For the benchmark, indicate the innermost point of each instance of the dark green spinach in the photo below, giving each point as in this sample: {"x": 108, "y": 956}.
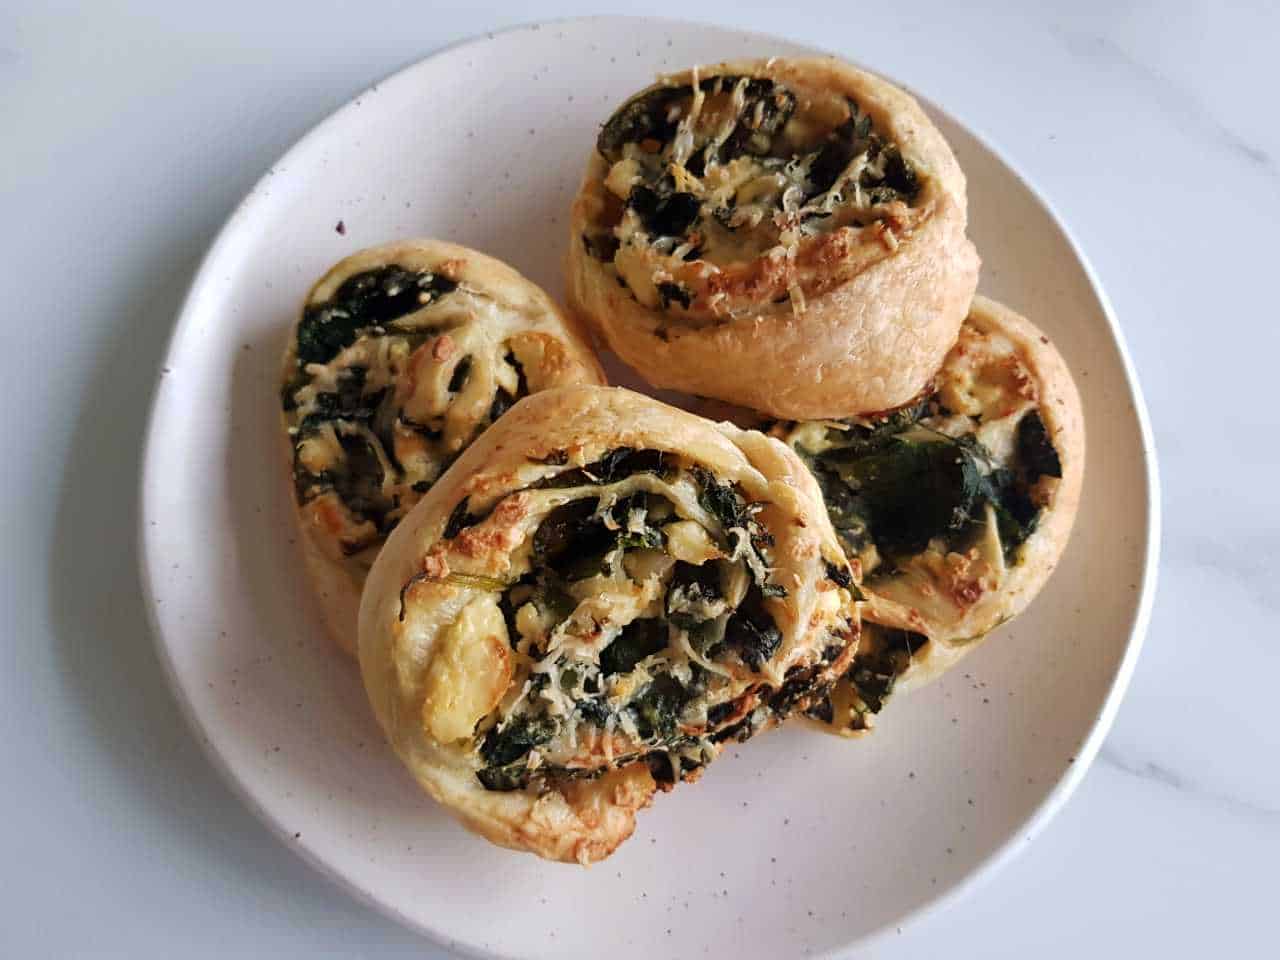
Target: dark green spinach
{"x": 369, "y": 299}
{"x": 1035, "y": 450}
{"x": 639, "y": 639}
{"x": 751, "y": 632}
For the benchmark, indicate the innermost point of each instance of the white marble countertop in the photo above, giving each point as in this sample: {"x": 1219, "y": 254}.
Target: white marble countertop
{"x": 130, "y": 131}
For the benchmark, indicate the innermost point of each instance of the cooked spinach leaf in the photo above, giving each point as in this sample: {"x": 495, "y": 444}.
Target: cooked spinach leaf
{"x": 550, "y": 597}
{"x": 357, "y": 481}
{"x": 646, "y": 116}
{"x": 461, "y": 371}
{"x": 900, "y": 487}
{"x": 594, "y": 712}
{"x": 649, "y": 537}
{"x": 664, "y": 214}
{"x": 601, "y": 246}
{"x": 349, "y": 402}
{"x": 638, "y": 639}
{"x": 545, "y": 592}
{"x": 884, "y": 655}
{"x": 846, "y": 510}
{"x": 751, "y": 631}
{"x": 801, "y": 686}
{"x": 767, "y": 106}
{"x": 663, "y": 767}
{"x": 1035, "y": 451}
{"x": 504, "y": 779}
{"x": 721, "y": 500}
{"x": 521, "y": 735}
{"x": 899, "y": 175}
{"x": 613, "y": 466}
{"x": 502, "y": 402}
{"x": 851, "y": 138}
{"x": 692, "y": 584}
{"x": 569, "y": 537}
{"x": 697, "y": 579}
{"x": 915, "y": 489}
{"x": 842, "y": 144}
{"x": 733, "y": 511}
{"x": 859, "y": 439}
{"x": 839, "y": 575}
{"x": 822, "y": 710}
{"x": 623, "y": 461}
{"x": 657, "y": 708}
{"x": 459, "y": 519}
{"x": 673, "y": 293}
{"x": 369, "y": 299}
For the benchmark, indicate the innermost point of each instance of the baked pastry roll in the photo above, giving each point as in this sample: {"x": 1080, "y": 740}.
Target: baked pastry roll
{"x": 599, "y": 594}
{"x": 787, "y": 235}
{"x": 403, "y": 354}
{"x": 953, "y": 509}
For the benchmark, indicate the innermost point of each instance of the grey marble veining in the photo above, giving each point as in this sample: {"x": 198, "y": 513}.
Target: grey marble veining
{"x": 130, "y": 132}
{"x": 1154, "y": 772}
{"x": 1179, "y": 101}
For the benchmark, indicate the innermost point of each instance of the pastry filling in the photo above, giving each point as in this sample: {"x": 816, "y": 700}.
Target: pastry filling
{"x": 884, "y": 653}
{"x": 731, "y": 192}
{"x": 631, "y": 621}
{"x": 933, "y": 502}
{"x": 396, "y": 374}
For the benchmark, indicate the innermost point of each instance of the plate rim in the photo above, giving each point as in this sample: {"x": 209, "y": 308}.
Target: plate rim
{"x": 986, "y": 867}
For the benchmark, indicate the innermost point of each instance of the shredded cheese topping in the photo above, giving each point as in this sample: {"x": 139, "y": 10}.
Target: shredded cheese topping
{"x": 379, "y": 418}
{"x": 637, "y": 623}
{"x": 723, "y": 196}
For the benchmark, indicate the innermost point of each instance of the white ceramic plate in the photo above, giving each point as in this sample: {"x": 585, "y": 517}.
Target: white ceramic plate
{"x": 794, "y": 843}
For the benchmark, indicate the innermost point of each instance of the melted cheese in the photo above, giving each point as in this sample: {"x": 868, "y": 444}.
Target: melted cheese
{"x": 421, "y": 424}
{"x": 624, "y": 175}
{"x": 984, "y": 377}
{"x": 753, "y": 215}
{"x": 690, "y": 542}
{"x": 321, "y": 452}
{"x": 334, "y": 526}
{"x": 557, "y": 657}
{"x": 468, "y": 673}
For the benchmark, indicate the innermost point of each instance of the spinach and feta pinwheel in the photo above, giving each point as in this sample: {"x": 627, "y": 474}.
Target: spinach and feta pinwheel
{"x": 597, "y": 596}
{"x": 787, "y": 235}
{"x": 954, "y": 509}
{"x": 402, "y": 356}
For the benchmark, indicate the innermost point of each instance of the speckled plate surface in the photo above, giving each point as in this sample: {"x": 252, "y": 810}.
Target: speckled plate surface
{"x": 796, "y": 843}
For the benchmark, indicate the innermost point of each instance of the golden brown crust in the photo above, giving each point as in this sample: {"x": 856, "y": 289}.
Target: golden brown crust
{"x": 553, "y": 349}
{"x": 418, "y": 593}
{"x": 868, "y": 342}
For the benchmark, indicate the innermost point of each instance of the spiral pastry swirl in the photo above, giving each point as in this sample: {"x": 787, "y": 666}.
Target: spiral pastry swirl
{"x": 403, "y": 354}
{"x": 596, "y": 597}
{"x": 786, "y": 235}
